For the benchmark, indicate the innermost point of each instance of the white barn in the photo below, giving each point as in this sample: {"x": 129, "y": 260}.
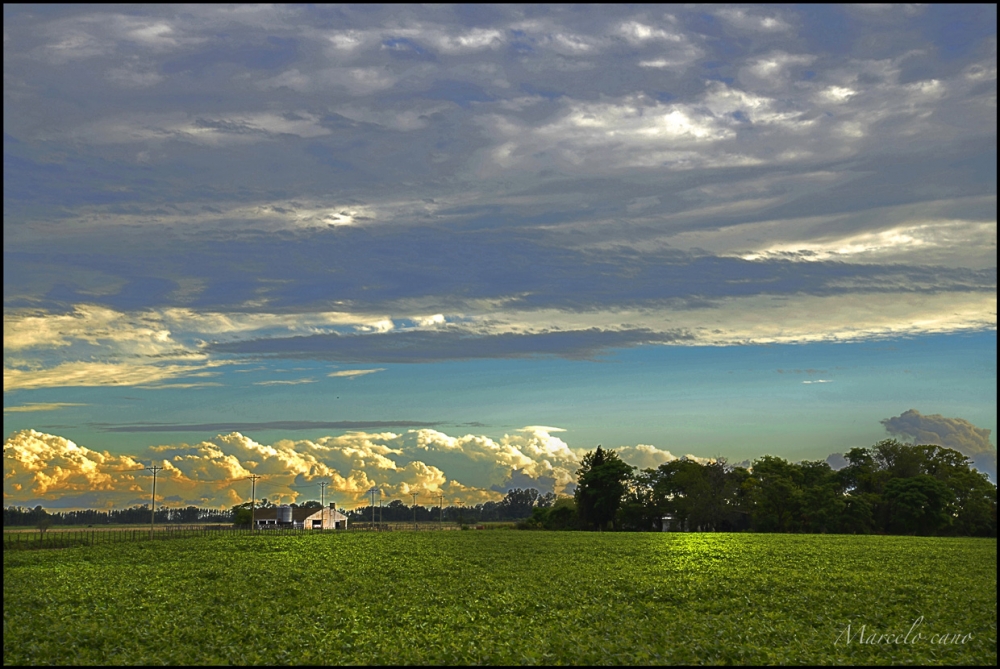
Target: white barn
{"x": 325, "y": 519}
{"x": 288, "y": 517}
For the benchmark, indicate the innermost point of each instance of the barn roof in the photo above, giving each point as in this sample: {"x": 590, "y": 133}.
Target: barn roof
{"x": 271, "y": 513}
{"x": 336, "y": 515}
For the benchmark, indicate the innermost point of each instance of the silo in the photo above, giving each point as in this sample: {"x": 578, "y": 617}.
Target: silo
{"x": 284, "y": 514}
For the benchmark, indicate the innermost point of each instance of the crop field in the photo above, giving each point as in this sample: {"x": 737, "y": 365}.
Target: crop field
{"x": 505, "y": 598}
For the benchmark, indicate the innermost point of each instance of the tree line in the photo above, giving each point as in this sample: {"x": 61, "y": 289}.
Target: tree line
{"x": 890, "y": 488}
{"x": 517, "y": 504}
{"x": 17, "y": 515}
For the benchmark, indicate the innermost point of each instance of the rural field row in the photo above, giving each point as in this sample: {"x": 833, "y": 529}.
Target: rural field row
{"x": 505, "y": 598}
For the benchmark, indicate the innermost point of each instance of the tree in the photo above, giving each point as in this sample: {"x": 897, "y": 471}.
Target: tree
{"x": 518, "y": 503}
{"x": 546, "y": 500}
{"x": 601, "y": 484}
{"x": 639, "y": 511}
{"x": 242, "y": 515}
{"x": 823, "y": 504}
{"x": 775, "y": 494}
{"x": 560, "y": 515}
{"x": 976, "y": 504}
{"x": 917, "y": 505}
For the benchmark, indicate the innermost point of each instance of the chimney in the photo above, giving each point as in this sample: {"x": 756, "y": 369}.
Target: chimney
{"x": 333, "y": 506}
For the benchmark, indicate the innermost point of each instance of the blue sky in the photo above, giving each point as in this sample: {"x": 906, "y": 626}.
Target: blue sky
{"x": 450, "y": 249}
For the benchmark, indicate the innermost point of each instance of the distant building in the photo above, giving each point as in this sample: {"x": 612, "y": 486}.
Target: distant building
{"x": 325, "y": 519}
{"x": 291, "y": 517}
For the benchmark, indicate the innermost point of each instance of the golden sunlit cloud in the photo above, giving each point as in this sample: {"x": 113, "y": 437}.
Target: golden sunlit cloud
{"x": 49, "y": 469}
{"x": 351, "y": 373}
{"x": 290, "y": 382}
{"x": 41, "y": 406}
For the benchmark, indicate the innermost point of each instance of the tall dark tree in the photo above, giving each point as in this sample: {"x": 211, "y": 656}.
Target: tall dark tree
{"x": 602, "y": 482}
{"x": 776, "y": 495}
{"x": 917, "y": 505}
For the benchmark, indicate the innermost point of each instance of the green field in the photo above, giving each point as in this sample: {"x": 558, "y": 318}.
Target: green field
{"x": 504, "y": 598}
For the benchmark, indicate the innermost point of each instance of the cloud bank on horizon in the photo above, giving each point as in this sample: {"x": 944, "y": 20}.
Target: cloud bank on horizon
{"x": 189, "y": 188}
{"x": 54, "y": 471}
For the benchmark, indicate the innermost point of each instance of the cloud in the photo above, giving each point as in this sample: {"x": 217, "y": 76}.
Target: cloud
{"x": 836, "y": 461}
{"x": 289, "y": 382}
{"x": 91, "y": 324}
{"x": 931, "y": 241}
{"x": 352, "y": 373}
{"x": 416, "y": 184}
{"x": 272, "y": 425}
{"x": 45, "y": 464}
{"x": 518, "y": 479}
{"x": 41, "y": 406}
{"x": 608, "y": 135}
{"x": 514, "y": 333}
{"x": 94, "y": 374}
{"x": 819, "y": 381}
{"x": 467, "y": 469}
{"x": 645, "y": 456}
{"x": 423, "y": 346}
{"x": 956, "y": 433}
{"x": 752, "y": 20}
{"x": 95, "y": 346}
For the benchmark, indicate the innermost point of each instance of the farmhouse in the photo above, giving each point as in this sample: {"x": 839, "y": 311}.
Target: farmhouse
{"x": 299, "y": 518}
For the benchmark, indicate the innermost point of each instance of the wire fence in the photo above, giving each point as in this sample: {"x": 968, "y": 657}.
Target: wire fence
{"x": 72, "y": 538}
{"x": 39, "y": 540}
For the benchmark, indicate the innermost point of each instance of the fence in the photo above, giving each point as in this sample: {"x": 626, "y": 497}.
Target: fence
{"x": 74, "y": 538}
{"x": 36, "y": 540}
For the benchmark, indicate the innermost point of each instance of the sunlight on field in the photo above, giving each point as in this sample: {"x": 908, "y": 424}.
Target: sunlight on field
{"x": 504, "y": 598}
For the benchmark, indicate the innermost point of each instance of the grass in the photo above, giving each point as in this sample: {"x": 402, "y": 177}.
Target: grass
{"x": 503, "y": 598}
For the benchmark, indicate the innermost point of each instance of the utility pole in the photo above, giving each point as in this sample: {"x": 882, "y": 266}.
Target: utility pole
{"x": 372, "y": 491}
{"x": 379, "y": 509}
{"x": 414, "y": 510}
{"x": 322, "y": 504}
{"x": 152, "y": 502}
{"x": 441, "y": 508}
{"x": 253, "y": 498}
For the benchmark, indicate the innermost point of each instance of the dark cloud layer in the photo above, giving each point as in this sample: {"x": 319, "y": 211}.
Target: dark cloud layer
{"x": 429, "y": 346}
{"x": 475, "y": 160}
{"x": 424, "y": 346}
{"x": 374, "y": 269}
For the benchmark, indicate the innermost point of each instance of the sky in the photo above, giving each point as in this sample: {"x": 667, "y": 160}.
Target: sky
{"x": 448, "y": 250}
